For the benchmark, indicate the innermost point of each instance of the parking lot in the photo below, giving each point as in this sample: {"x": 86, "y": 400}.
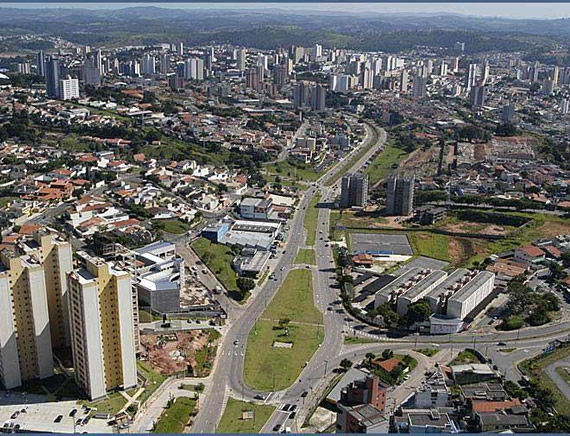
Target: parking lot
{"x": 424, "y": 263}
{"x": 34, "y": 413}
{"x": 381, "y": 244}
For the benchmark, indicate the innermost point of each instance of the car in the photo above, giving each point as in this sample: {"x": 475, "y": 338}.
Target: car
{"x": 282, "y": 268}
{"x": 236, "y": 342}
{"x": 15, "y": 414}
{"x": 286, "y": 407}
{"x": 58, "y": 418}
{"x": 329, "y": 309}
{"x": 293, "y": 407}
{"x": 260, "y": 397}
{"x": 304, "y": 394}
{"x": 292, "y": 415}
{"x": 277, "y": 428}
{"x": 79, "y": 421}
{"x": 502, "y": 344}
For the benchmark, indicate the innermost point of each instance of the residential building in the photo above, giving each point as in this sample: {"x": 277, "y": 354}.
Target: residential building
{"x": 424, "y": 421}
{"x": 529, "y": 254}
{"x": 25, "y": 335}
{"x": 52, "y": 77}
{"x": 354, "y": 190}
{"x": 68, "y": 88}
{"x": 400, "y": 195}
{"x": 102, "y": 331}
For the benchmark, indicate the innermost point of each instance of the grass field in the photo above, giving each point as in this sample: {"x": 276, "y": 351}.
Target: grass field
{"x": 382, "y": 165}
{"x": 219, "y": 260}
{"x": 464, "y": 357}
{"x": 174, "y": 418}
{"x": 429, "y": 352}
{"x": 311, "y": 220}
{"x": 272, "y": 368}
{"x": 430, "y": 245}
{"x": 232, "y": 421}
{"x": 173, "y": 225}
{"x": 154, "y": 380}
{"x": 287, "y": 170}
{"x": 306, "y": 255}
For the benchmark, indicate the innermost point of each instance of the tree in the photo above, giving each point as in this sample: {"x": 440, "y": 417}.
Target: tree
{"x": 391, "y": 318}
{"x": 370, "y": 357}
{"x": 245, "y": 284}
{"x": 284, "y": 322}
{"x": 419, "y": 311}
{"x": 387, "y": 354}
{"x": 346, "y": 364}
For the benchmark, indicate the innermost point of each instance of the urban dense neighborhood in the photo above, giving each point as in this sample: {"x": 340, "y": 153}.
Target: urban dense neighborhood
{"x": 315, "y": 227}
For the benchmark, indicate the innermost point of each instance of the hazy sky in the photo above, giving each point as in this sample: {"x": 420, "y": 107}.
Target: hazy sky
{"x": 512, "y": 10}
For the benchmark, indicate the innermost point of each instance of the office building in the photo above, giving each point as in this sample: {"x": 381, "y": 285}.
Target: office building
{"x": 25, "y": 335}
{"x": 52, "y": 77}
{"x": 102, "y": 334}
{"x": 354, "y": 190}
{"x": 68, "y": 88}
{"x": 471, "y": 294}
{"x": 400, "y": 195}
{"x": 41, "y": 63}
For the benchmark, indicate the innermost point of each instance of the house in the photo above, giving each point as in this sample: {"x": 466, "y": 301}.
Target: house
{"x": 472, "y": 373}
{"x": 502, "y": 421}
{"x": 529, "y": 254}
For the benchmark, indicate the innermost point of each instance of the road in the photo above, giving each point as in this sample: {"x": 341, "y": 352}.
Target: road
{"x": 227, "y": 378}
{"x": 557, "y": 378}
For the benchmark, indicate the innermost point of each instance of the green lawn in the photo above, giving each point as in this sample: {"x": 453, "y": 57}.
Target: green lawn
{"x": 173, "y": 225}
{"x": 352, "y": 340}
{"x": 232, "y": 421}
{"x": 294, "y": 300}
{"x": 174, "y": 418}
{"x": 154, "y": 380}
{"x": 5, "y": 200}
{"x": 383, "y": 164}
{"x": 311, "y": 220}
{"x": 219, "y": 260}
{"x": 306, "y": 255}
{"x": 111, "y": 404}
{"x": 464, "y": 357}
{"x": 271, "y": 368}
{"x": 353, "y": 160}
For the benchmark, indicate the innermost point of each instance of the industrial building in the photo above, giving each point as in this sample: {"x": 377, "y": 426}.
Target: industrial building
{"x": 252, "y": 234}
{"x": 416, "y": 292}
{"x": 401, "y": 285}
{"x": 102, "y": 334}
{"x": 257, "y": 209}
{"x": 465, "y": 300}
{"x": 438, "y": 296}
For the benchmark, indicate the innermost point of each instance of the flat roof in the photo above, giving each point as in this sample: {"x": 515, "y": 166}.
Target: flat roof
{"x": 417, "y": 290}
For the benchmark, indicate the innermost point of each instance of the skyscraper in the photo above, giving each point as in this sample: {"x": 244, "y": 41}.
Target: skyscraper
{"x": 404, "y": 82}
{"x": 301, "y": 93}
{"x": 354, "y": 190}
{"x": 90, "y": 74}
{"x": 318, "y": 98}
{"x": 52, "y": 77}
{"x": 478, "y": 95}
{"x": 419, "y": 89}
{"x": 41, "y": 63}
{"x": 400, "y": 195}
{"x": 102, "y": 333}
{"x": 241, "y": 59}
{"x": 470, "y": 76}
{"x": 148, "y": 65}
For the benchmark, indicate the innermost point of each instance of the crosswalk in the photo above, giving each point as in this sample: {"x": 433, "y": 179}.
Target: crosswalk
{"x": 232, "y": 353}
{"x": 361, "y": 334}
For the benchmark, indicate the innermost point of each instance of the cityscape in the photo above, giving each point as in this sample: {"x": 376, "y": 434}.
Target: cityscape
{"x": 284, "y": 220}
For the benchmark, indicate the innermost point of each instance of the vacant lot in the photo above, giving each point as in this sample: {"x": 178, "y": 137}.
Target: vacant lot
{"x": 384, "y": 164}
{"x": 274, "y": 368}
{"x": 219, "y": 259}
{"x": 232, "y": 421}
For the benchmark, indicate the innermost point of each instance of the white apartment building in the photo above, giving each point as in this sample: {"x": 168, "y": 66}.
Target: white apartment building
{"x": 69, "y": 88}
{"x": 102, "y": 333}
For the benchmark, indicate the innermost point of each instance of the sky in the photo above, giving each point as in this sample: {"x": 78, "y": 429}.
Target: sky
{"x": 510, "y": 10}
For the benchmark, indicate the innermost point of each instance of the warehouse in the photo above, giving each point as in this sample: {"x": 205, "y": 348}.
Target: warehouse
{"x": 465, "y": 300}
{"x": 419, "y": 290}
{"x": 400, "y": 285}
{"x": 438, "y": 296}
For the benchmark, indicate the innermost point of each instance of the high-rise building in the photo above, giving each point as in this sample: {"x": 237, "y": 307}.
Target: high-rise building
{"x": 279, "y": 74}
{"x": 90, "y": 74}
{"x": 55, "y": 256}
{"x": 470, "y": 76}
{"x": 99, "y": 61}
{"x": 165, "y": 64}
{"x": 404, "y": 82}
{"x": 241, "y": 59}
{"x": 419, "y": 89}
{"x": 194, "y": 69}
{"x": 148, "y": 65}
{"x": 400, "y": 195}
{"x": 318, "y": 98}
{"x": 485, "y": 73}
{"x": 68, "y": 88}
{"x": 442, "y": 69}
{"x": 41, "y": 63}
{"x": 251, "y": 78}
{"x": 564, "y": 106}
{"x": 52, "y": 77}
{"x": 354, "y": 190}
{"x": 24, "y": 68}
{"x": 301, "y": 95}
{"x": 180, "y": 48}
{"x": 102, "y": 332}
{"x": 507, "y": 113}
{"x": 477, "y": 95}
{"x": 455, "y": 65}
{"x": 25, "y": 336}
